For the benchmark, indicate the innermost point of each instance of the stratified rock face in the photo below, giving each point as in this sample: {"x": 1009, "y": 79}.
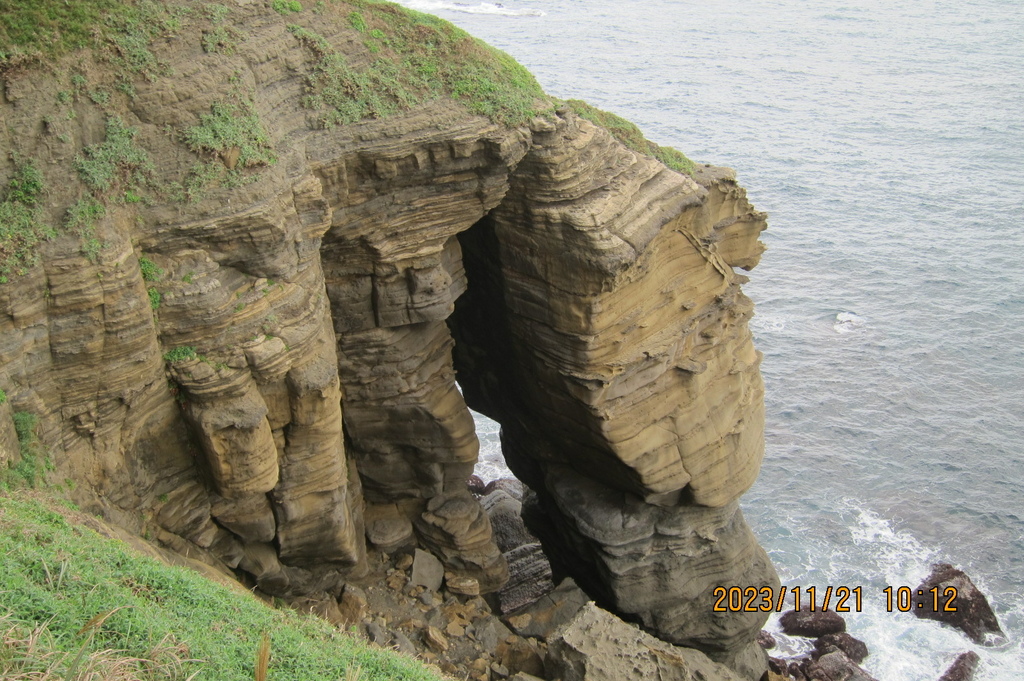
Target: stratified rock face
{"x": 604, "y": 327}
{"x": 299, "y": 332}
{"x": 623, "y": 337}
{"x": 285, "y": 384}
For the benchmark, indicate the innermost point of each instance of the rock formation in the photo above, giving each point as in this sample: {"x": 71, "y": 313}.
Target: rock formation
{"x": 260, "y": 371}
{"x": 960, "y": 604}
{"x": 605, "y": 329}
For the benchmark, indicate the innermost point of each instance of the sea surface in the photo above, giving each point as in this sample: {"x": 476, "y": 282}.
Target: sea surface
{"x": 886, "y": 141}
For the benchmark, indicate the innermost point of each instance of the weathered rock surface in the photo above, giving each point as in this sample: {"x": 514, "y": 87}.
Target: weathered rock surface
{"x": 293, "y": 393}
{"x": 606, "y": 331}
{"x": 835, "y": 666}
{"x": 597, "y": 646}
{"x": 812, "y": 624}
{"x": 972, "y": 614}
{"x": 659, "y": 564}
{"x": 963, "y": 667}
{"x": 853, "y": 648}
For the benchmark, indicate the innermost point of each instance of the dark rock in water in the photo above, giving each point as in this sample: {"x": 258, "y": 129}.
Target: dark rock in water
{"x": 765, "y": 640}
{"x": 812, "y": 624}
{"x": 510, "y": 485}
{"x": 476, "y": 485}
{"x": 962, "y": 668}
{"x": 854, "y": 648}
{"x": 973, "y": 615}
{"x": 778, "y": 665}
{"x": 835, "y": 666}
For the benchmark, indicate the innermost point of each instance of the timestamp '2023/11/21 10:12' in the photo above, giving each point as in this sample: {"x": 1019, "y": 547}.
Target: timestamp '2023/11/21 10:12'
{"x": 835, "y": 598}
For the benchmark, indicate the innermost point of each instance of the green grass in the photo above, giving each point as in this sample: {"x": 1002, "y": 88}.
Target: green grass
{"x": 21, "y": 222}
{"x": 3, "y": 396}
{"x": 31, "y": 29}
{"x": 221, "y": 39}
{"x": 43, "y": 30}
{"x": 232, "y": 124}
{"x": 286, "y": 6}
{"x": 154, "y": 297}
{"x": 115, "y": 163}
{"x": 181, "y": 354}
{"x": 630, "y": 136}
{"x": 68, "y": 576}
{"x": 33, "y": 457}
{"x": 149, "y": 269}
{"x": 81, "y": 219}
{"x": 418, "y": 57}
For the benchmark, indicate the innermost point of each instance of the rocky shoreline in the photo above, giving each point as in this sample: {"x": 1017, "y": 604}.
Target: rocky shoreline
{"x": 533, "y": 630}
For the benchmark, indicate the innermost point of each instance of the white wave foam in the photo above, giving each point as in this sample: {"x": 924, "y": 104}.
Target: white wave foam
{"x": 496, "y": 8}
{"x": 900, "y": 558}
{"x": 903, "y": 647}
{"x": 767, "y": 323}
{"x": 848, "y": 322}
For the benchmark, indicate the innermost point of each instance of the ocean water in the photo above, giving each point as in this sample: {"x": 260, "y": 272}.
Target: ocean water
{"x": 886, "y": 140}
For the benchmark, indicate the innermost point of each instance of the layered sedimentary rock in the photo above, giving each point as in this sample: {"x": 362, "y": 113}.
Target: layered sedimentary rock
{"x": 283, "y": 385}
{"x": 605, "y": 329}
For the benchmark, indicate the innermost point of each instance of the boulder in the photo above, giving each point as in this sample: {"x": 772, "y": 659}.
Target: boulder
{"x": 456, "y": 529}
{"x": 598, "y": 646}
{"x": 963, "y": 667}
{"x": 518, "y": 654}
{"x": 427, "y": 571}
{"x": 765, "y": 640}
{"x": 543, "y": 617}
{"x": 352, "y": 605}
{"x": 529, "y": 577}
{"x": 812, "y": 624}
{"x": 476, "y": 485}
{"x": 855, "y": 649}
{"x": 973, "y": 614}
{"x": 511, "y": 486}
{"x": 835, "y": 666}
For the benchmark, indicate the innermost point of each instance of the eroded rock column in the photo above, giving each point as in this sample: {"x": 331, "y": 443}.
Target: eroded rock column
{"x": 394, "y": 269}
{"x": 605, "y": 329}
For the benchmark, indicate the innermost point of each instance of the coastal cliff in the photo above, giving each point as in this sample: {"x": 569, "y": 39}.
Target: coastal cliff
{"x": 245, "y": 263}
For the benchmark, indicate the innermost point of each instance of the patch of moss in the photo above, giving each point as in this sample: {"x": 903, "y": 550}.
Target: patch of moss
{"x": 630, "y": 136}
{"x": 149, "y": 269}
{"x": 286, "y": 6}
{"x": 221, "y": 38}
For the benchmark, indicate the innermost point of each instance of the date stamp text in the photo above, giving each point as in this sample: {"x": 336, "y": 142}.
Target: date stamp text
{"x": 831, "y": 598}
